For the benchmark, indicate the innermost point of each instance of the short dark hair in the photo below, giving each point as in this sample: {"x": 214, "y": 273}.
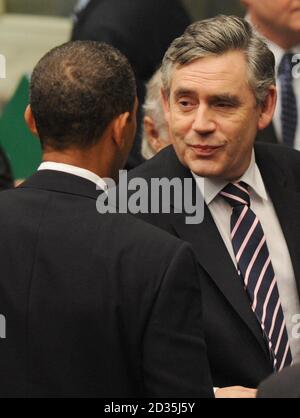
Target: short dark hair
{"x": 76, "y": 90}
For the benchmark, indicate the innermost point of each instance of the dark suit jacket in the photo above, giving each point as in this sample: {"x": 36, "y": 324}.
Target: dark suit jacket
{"x": 96, "y": 305}
{"x": 284, "y": 385}
{"x": 6, "y": 180}
{"x": 142, "y": 30}
{"x": 268, "y": 135}
{"x": 236, "y": 348}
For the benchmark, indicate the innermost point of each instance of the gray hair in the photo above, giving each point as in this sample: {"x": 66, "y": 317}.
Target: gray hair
{"x": 154, "y": 109}
{"x": 217, "y": 36}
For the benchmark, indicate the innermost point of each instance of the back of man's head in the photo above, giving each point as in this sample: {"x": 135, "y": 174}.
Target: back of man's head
{"x": 76, "y": 90}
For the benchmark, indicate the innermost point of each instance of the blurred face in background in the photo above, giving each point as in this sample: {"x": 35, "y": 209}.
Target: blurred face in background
{"x": 157, "y": 136}
{"x": 278, "y": 20}
{"x": 155, "y": 127}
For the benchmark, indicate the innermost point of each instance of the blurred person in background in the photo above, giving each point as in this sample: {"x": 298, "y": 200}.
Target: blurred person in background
{"x": 155, "y": 128}
{"x": 6, "y": 180}
{"x": 278, "y": 21}
{"x": 141, "y": 29}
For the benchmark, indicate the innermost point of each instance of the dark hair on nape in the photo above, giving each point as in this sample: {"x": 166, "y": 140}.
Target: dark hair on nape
{"x": 76, "y": 90}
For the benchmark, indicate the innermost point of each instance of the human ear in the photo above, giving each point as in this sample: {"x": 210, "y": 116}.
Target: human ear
{"x": 119, "y": 127}
{"x": 268, "y": 108}
{"x": 30, "y": 121}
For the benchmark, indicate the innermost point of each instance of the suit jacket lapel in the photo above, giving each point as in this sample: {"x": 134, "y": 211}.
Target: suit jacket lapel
{"x": 213, "y": 256}
{"x": 286, "y": 202}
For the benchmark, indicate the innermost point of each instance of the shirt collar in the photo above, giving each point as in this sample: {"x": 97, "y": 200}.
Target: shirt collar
{"x": 211, "y": 187}
{"x": 76, "y": 171}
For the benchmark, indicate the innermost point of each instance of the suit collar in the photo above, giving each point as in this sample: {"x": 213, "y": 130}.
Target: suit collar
{"x": 267, "y": 135}
{"x": 213, "y": 256}
{"x": 211, "y": 187}
{"x": 286, "y": 199}
{"x": 75, "y": 170}
{"x": 60, "y": 182}
{"x": 208, "y": 243}
{"x": 212, "y": 253}
{"x": 268, "y": 165}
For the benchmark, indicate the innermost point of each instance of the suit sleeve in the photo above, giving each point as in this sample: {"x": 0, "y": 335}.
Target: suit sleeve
{"x": 175, "y": 362}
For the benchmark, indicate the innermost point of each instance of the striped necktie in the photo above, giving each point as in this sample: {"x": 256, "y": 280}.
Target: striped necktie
{"x": 289, "y": 113}
{"x": 255, "y": 267}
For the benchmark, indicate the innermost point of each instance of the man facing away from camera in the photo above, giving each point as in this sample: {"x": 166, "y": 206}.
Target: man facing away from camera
{"x": 91, "y": 308}
{"x": 219, "y": 91}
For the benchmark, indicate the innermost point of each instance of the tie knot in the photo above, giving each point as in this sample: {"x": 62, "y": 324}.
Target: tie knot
{"x": 286, "y": 65}
{"x": 236, "y": 194}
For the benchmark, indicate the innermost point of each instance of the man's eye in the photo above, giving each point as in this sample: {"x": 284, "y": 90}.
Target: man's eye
{"x": 185, "y": 103}
{"x": 224, "y": 104}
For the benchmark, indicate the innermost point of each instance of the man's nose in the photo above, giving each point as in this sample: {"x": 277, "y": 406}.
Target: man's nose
{"x": 204, "y": 120}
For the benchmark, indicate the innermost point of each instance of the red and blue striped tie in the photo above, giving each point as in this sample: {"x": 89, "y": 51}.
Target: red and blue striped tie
{"x": 255, "y": 267}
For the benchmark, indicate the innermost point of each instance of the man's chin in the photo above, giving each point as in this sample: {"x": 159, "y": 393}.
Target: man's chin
{"x": 205, "y": 168}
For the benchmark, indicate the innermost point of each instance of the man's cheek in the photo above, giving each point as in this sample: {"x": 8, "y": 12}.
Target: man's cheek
{"x": 177, "y": 134}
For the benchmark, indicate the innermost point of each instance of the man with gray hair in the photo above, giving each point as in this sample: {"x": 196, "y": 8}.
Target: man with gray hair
{"x": 219, "y": 91}
{"x": 155, "y": 128}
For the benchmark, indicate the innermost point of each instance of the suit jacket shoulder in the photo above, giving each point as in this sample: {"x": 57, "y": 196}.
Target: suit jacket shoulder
{"x": 163, "y": 164}
{"x": 280, "y": 161}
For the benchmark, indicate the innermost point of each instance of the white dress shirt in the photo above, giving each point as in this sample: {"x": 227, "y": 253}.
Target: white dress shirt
{"x": 76, "y": 171}
{"x": 279, "y": 53}
{"x": 262, "y": 206}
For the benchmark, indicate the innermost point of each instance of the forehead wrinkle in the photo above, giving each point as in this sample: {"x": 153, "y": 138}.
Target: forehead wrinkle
{"x": 191, "y": 72}
{"x": 196, "y": 77}
{"x": 212, "y": 75}
{"x": 213, "y": 68}
{"x": 222, "y": 84}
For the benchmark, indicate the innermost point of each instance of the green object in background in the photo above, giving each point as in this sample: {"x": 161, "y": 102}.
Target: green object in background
{"x": 22, "y": 148}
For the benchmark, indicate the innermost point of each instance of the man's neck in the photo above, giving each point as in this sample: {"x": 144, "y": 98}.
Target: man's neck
{"x": 87, "y": 159}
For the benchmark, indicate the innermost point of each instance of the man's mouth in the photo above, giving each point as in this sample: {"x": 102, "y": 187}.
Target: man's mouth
{"x": 205, "y": 150}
